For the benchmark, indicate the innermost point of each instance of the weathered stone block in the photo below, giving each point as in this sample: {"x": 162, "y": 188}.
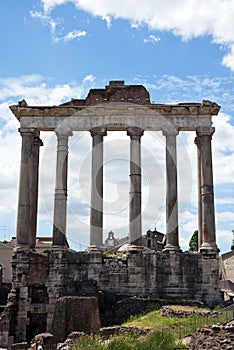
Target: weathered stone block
{"x": 75, "y": 314}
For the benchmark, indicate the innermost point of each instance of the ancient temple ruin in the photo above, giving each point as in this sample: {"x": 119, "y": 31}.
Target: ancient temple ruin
{"x": 40, "y": 280}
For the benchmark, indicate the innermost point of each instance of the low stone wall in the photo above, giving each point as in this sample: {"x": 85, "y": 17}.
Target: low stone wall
{"x": 182, "y": 311}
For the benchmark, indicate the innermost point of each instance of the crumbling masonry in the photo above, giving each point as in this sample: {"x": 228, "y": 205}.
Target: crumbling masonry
{"x": 42, "y": 281}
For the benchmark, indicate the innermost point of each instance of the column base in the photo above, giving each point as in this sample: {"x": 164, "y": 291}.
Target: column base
{"x": 171, "y": 248}
{"x": 209, "y": 249}
{"x": 58, "y": 247}
{"x": 135, "y": 248}
{"x": 94, "y": 249}
{"x": 22, "y": 248}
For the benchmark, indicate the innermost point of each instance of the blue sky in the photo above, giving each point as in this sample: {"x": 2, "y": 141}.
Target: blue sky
{"x": 54, "y": 50}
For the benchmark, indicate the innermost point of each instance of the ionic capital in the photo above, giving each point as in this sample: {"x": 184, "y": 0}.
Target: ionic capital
{"x": 170, "y": 131}
{"x": 60, "y": 132}
{"x": 135, "y": 131}
{"x": 31, "y": 131}
{"x": 205, "y": 131}
{"x": 100, "y": 131}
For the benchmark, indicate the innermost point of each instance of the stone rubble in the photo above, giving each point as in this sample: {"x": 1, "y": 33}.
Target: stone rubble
{"x": 216, "y": 337}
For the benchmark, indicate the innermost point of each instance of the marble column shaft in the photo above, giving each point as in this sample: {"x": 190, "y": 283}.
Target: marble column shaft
{"x": 28, "y": 188}
{"x": 60, "y": 199}
{"x": 36, "y": 143}
{"x": 204, "y": 135}
{"x": 199, "y": 192}
{"x": 135, "y": 224}
{"x": 171, "y": 191}
{"x": 96, "y": 210}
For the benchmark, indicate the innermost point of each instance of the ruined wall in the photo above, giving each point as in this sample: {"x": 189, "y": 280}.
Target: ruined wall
{"x": 183, "y": 275}
{"x": 75, "y": 314}
{"x": 41, "y": 281}
{"x": 29, "y": 274}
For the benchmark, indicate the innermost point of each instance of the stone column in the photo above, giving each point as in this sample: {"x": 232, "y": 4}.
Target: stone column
{"x": 60, "y": 199}
{"x": 204, "y": 135}
{"x": 171, "y": 191}
{"x": 96, "y": 210}
{"x": 28, "y": 172}
{"x": 36, "y": 143}
{"x": 135, "y": 229}
{"x": 196, "y": 141}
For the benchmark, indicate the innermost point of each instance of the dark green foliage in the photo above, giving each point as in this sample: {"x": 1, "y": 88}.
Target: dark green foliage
{"x": 193, "y": 244}
{"x": 232, "y": 246}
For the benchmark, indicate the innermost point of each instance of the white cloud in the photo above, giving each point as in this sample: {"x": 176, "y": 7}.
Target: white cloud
{"x": 75, "y": 34}
{"x": 223, "y": 147}
{"x": 54, "y": 24}
{"x": 152, "y": 39}
{"x": 225, "y": 216}
{"x": 108, "y": 21}
{"x": 48, "y": 5}
{"x": 46, "y": 20}
{"x": 228, "y": 59}
{"x": 226, "y": 200}
{"x": 224, "y": 239}
{"x": 187, "y": 19}
{"x": 35, "y": 89}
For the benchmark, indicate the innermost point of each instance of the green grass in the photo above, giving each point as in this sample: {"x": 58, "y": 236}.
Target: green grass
{"x": 87, "y": 343}
{"x": 156, "y": 340}
{"x": 155, "y": 319}
{"x": 180, "y": 327}
{"x": 166, "y": 331}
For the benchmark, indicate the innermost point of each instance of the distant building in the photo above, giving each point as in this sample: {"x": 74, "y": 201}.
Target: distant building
{"x": 153, "y": 240}
{"x": 6, "y": 250}
{"x": 226, "y": 271}
{"x": 111, "y": 241}
{"x": 227, "y": 266}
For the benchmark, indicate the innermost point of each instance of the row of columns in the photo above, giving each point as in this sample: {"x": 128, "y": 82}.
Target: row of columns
{"x": 28, "y": 189}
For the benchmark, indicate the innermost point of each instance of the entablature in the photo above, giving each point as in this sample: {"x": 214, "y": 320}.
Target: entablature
{"x": 116, "y": 116}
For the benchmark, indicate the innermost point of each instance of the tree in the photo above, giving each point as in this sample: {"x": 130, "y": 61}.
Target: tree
{"x": 232, "y": 246}
{"x": 193, "y": 243}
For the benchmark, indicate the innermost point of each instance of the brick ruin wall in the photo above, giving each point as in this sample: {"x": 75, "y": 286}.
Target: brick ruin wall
{"x": 42, "y": 281}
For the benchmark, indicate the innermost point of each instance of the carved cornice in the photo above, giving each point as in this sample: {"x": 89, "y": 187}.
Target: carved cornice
{"x": 117, "y": 108}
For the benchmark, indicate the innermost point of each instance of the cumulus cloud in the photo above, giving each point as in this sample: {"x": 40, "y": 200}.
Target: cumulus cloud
{"x": 187, "y": 19}
{"x": 36, "y": 89}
